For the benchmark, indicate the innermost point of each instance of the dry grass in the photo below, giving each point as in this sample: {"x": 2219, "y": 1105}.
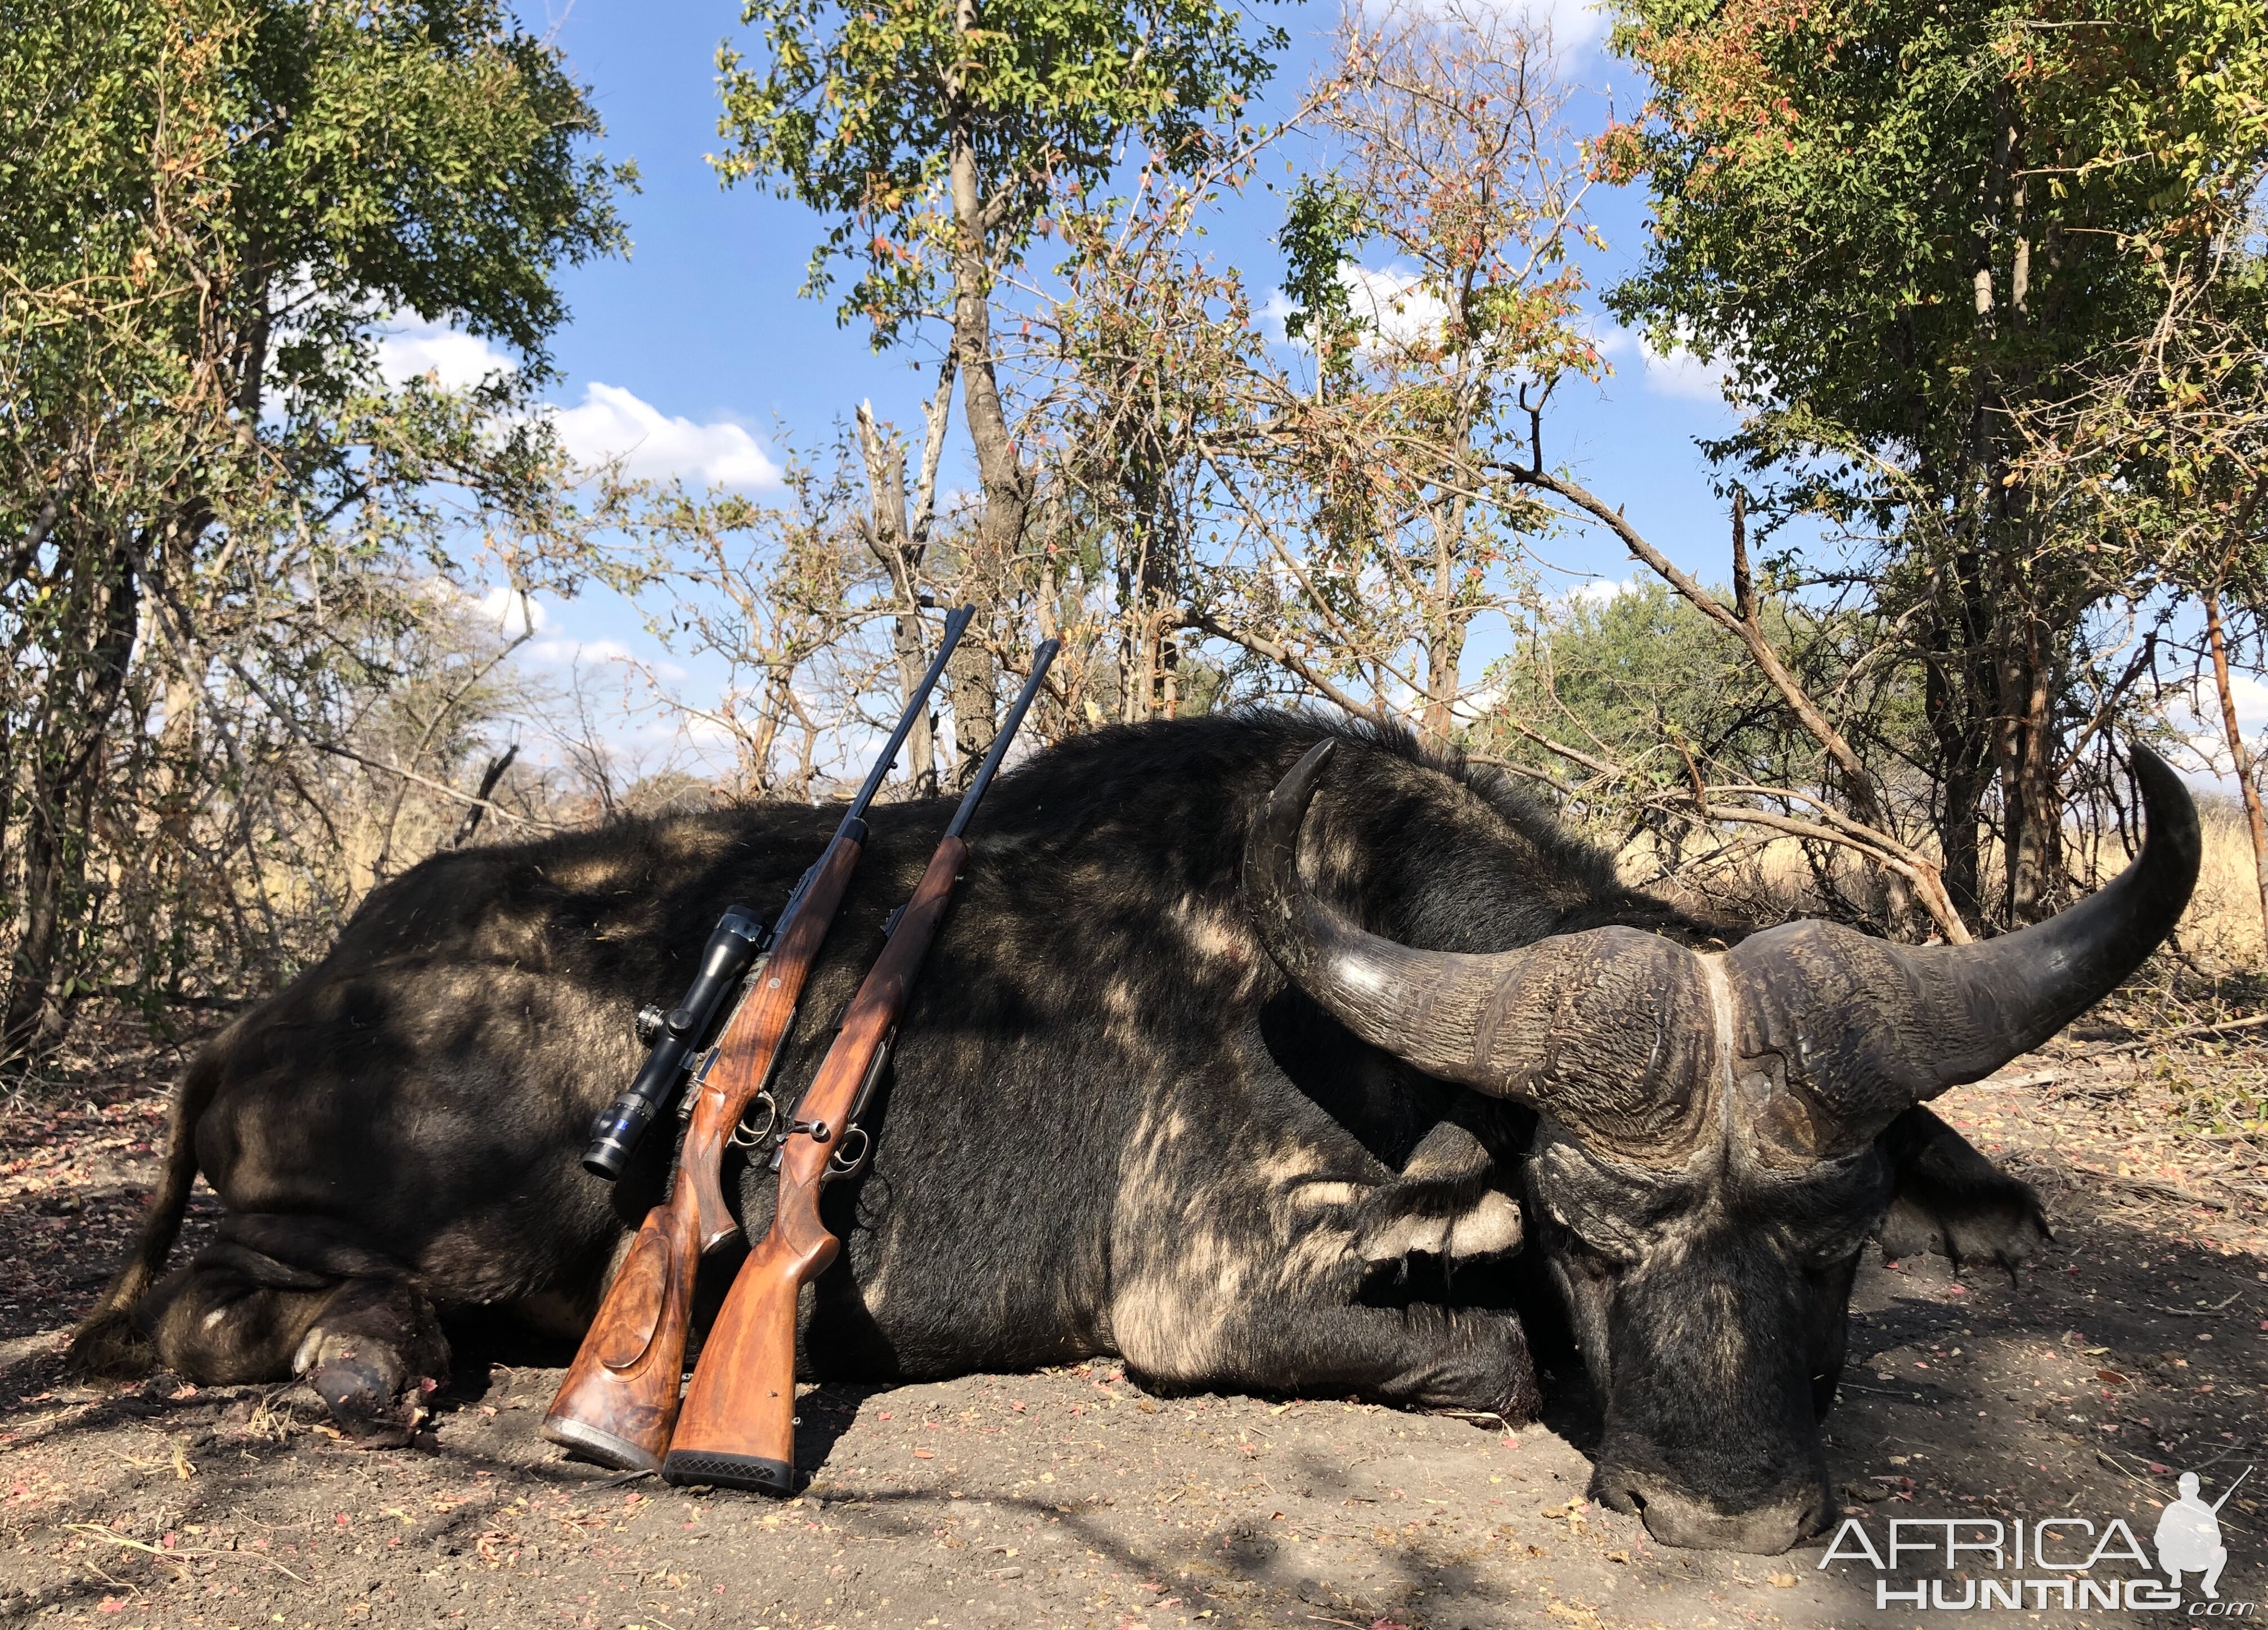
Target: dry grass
{"x": 2222, "y": 927}
{"x": 1748, "y": 881}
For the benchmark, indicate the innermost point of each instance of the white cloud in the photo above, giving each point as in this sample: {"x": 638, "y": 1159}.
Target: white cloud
{"x": 1572, "y": 24}
{"x": 455, "y": 360}
{"x": 609, "y": 422}
{"x": 1679, "y": 373}
{"x": 1477, "y": 705}
{"x": 2251, "y": 698}
{"x": 1598, "y": 591}
{"x": 1675, "y": 371}
{"x": 2196, "y": 717}
{"x": 565, "y": 652}
{"x": 2202, "y": 704}
{"x": 614, "y": 423}
{"x": 1396, "y": 306}
{"x": 704, "y": 730}
{"x": 514, "y": 613}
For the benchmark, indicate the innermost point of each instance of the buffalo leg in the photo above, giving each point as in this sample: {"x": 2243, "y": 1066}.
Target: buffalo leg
{"x": 1423, "y": 1356}
{"x": 371, "y": 1348}
{"x": 1952, "y": 1201}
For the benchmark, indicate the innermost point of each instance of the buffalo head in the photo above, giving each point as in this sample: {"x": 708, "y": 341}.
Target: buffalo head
{"x": 1709, "y": 1159}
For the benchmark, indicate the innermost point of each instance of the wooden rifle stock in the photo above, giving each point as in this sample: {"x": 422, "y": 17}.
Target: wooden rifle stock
{"x": 620, "y": 1399}
{"x": 738, "y": 1425}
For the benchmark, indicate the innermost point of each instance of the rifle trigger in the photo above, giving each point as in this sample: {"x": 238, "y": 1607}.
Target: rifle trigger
{"x": 752, "y": 1133}
{"x": 843, "y": 1162}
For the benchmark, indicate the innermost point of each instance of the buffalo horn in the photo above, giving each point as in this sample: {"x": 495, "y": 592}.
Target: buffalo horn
{"x": 1602, "y": 1030}
{"x": 1864, "y": 1029}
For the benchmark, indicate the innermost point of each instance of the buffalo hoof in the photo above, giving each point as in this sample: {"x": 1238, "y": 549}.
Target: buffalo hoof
{"x": 2000, "y": 1222}
{"x": 110, "y": 1347}
{"x": 1955, "y": 1202}
{"x": 362, "y": 1400}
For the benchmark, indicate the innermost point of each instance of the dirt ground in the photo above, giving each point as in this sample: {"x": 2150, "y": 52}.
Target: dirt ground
{"x": 2134, "y": 1351}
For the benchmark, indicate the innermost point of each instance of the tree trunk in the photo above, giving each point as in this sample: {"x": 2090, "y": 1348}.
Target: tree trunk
{"x": 2248, "y": 787}
{"x": 1153, "y": 653}
{"x": 91, "y": 656}
{"x": 889, "y": 539}
{"x": 1444, "y": 642}
{"x": 975, "y": 706}
{"x": 41, "y": 991}
{"x": 999, "y": 467}
{"x": 1444, "y": 657}
{"x": 2024, "y": 744}
{"x": 1965, "y": 753}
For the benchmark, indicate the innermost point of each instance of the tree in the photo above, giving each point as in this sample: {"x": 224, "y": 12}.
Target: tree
{"x": 1907, "y": 229}
{"x": 1326, "y": 510}
{"x": 212, "y": 206}
{"x": 1449, "y": 130}
{"x": 2164, "y": 448}
{"x": 935, "y": 134}
{"x": 778, "y": 593}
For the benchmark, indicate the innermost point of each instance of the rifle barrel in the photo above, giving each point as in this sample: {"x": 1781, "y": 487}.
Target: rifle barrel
{"x": 1041, "y": 659}
{"x": 956, "y": 623}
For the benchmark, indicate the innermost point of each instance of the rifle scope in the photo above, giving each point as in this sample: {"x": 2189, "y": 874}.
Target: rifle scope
{"x": 731, "y": 948}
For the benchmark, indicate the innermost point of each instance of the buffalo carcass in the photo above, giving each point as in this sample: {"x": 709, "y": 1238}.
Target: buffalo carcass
{"x": 1127, "y": 1115}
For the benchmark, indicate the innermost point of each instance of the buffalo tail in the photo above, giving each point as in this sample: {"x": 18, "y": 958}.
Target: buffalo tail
{"x": 110, "y": 1344}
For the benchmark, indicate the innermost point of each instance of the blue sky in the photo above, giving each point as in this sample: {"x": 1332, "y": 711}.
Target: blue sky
{"x": 698, "y": 356}
{"x": 697, "y": 359}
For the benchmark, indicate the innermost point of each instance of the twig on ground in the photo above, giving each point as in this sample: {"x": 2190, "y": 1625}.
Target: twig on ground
{"x": 2143, "y": 1044}
{"x": 2197, "y": 1313}
{"x": 95, "y": 1530}
{"x": 2170, "y": 1190}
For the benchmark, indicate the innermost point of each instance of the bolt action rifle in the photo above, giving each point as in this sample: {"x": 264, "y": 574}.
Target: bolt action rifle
{"x": 620, "y": 1398}
{"x": 737, "y": 1427}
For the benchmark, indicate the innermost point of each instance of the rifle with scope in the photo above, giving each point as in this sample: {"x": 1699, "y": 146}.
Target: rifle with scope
{"x": 620, "y": 1399}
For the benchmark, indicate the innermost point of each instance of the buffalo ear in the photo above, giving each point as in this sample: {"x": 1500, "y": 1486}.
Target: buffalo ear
{"x": 1950, "y": 1199}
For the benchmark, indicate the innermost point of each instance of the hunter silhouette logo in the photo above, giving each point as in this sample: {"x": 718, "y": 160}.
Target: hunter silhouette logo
{"x": 2189, "y": 1536}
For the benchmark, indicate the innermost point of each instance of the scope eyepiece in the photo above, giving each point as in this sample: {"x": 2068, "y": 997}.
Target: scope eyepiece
{"x": 675, "y": 1036}
{"x": 616, "y": 1135}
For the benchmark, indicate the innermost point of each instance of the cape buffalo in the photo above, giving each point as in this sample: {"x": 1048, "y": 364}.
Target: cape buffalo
{"x": 1198, "y": 1066}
